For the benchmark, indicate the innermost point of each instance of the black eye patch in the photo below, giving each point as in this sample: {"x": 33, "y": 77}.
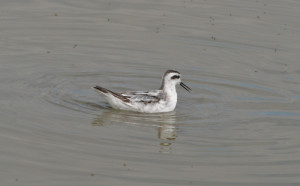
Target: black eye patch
{"x": 175, "y": 77}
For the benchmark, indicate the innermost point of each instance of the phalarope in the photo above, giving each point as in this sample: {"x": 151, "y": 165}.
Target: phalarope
{"x": 163, "y": 99}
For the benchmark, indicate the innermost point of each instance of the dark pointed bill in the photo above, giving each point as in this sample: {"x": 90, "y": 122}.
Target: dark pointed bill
{"x": 185, "y": 87}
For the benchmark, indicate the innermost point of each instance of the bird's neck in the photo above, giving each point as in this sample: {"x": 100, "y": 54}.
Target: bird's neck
{"x": 170, "y": 91}
{"x": 170, "y": 95}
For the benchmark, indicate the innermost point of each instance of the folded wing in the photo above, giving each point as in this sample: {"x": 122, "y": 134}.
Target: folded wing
{"x": 144, "y": 96}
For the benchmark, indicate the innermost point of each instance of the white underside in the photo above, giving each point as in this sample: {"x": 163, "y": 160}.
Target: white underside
{"x": 167, "y": 105}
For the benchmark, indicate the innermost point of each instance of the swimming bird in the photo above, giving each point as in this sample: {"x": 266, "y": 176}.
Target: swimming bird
{"x": 163, "y": 99}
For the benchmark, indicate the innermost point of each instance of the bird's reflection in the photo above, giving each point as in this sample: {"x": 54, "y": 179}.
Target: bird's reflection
{"x": 164, "y": 122}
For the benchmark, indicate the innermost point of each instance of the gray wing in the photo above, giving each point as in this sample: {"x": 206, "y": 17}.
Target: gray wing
{"x": 144, "y": 96}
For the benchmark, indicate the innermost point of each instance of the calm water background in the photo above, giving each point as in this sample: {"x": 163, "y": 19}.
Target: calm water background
{"x": 239, "y": 126}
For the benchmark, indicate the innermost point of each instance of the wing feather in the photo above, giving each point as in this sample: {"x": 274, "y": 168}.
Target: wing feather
{"x": 144, "y": 97}
{"x": 117, "y": 95}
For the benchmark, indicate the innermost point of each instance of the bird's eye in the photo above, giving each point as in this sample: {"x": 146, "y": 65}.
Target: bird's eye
{"x": 175, "y": 77}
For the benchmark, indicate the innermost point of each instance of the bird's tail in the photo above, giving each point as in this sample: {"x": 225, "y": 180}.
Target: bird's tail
{"x": 101, "y": 89}
{"x": 107, "y": 92}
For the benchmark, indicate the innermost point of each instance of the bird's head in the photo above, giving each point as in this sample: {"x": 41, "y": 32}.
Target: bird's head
{"x": 172, "y": 78}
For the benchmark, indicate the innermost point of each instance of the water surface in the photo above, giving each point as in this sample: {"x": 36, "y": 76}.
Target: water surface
{"x": 239, "y": 126}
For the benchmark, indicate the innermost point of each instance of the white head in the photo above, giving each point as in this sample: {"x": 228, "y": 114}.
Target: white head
{"x": 171, "y": 78}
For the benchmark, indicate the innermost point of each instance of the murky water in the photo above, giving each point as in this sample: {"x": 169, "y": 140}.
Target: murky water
{"x": 239, "y": 126}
